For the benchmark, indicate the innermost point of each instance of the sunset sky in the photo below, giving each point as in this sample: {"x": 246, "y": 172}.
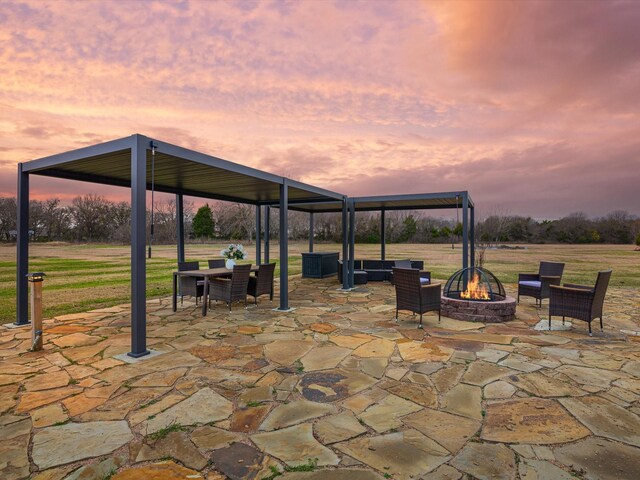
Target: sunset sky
{"x": 534, "y": 107}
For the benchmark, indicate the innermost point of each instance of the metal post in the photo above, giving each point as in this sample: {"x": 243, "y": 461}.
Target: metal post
{"x": 138, "y": 260}
{"x": 258, "y": 237}
{"x": 180, "y": 226}
{"x": 284, "y": 246}
{"x": 267, "y": 232}
{"x": 311, "y": 228}
{"x": 345, "y": 247}
{"x": 22, "y": 255}
{"x": 382, "y": 236}
{"x": 472, "y": 235}
{"x": 465, "y": 230}
{"x": 352, "y": 242}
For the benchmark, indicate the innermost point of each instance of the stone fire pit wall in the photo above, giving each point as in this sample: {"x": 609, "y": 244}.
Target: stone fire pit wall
{"x": 486, "y": 312}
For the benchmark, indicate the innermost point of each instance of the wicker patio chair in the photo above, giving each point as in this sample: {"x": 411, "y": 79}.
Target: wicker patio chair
{"x": 581, "y": 302}
{"x": 262, "y": 282}
{"x": 412, "y": 295}
{"x": 537, "y": 285}
{"x": 425, "y": 277}
{"x": 191, "y": 286}
{"x": 217, "y": 263}
{"x": 231, "y": 289}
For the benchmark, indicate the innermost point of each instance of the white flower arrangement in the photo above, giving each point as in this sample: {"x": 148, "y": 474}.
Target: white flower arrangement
{"x": 234, "y": 251}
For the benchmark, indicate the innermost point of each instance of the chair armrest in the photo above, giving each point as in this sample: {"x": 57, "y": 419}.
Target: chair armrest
{"x": 575, "y": 285}
{"x": 550, "y": 280}
{"x": 528, "y": 276}
{"x": 221, "y": 281}
{"x": 570, "y": 290}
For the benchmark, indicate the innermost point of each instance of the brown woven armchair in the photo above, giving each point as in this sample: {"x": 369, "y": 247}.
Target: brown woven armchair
{"x": 412, "y": 295}
{"x": 581, "y": 302}
{"x": 262, "y": 282}
{"x": 231, "y": 289}
{"x": 191, "y": 286}
{"x": 425, "y": 277}
{"x": 537, "y": 285}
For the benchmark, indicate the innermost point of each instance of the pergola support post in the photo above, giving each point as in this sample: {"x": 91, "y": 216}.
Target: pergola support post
{"x": 258, "y": 237}
{"x": 138, "y": 258}
{"x": 383, "y": 240}
{"x": 352, "y": 242}
{"x": 22, "y": 255}
{"x": 345, "y": 247}
{"x": 472, "y": 235}
{"x": 284, "y": 246}
{"x": 180, "y": 226}
{"x": 267, "y": 232}
{"x": 311, "y": 233}
{"x": 465, "y": 230}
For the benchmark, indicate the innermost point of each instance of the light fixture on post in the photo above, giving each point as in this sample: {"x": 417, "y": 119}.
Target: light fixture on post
{"x": 36, "y": 279}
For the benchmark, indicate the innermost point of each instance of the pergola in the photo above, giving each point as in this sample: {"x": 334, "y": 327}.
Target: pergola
{"x": 142, "y": 163}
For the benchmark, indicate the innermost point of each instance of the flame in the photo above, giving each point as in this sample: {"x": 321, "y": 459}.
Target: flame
{"x": 475, "y": 290}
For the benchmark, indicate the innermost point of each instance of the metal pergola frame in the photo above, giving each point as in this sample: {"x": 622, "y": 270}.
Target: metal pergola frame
{"x": 125, "y": 162}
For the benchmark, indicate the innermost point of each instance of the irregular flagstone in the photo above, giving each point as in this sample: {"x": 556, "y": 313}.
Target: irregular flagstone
{"x": 46, "y": 381}
{"x": 521, "y": 363}
{"x": 543, "y": 386}
{"x": 385, "y": 414}
{"x": 160, "y": 379}
{"x": 171, "y": 360}
{"x": 285, "y": 352}
{"x": 338, "y": 428}
{"x": 424, "y": 352}
{"x": 464, "y": 400}
{"x": 350, "y": 341}
{"x": 633, "y": 368}
{"x": 295, "y": 412}
{"x": 175, "y": 445}
{"x": 342, "y": 474}
{"x": 260, "y": 394}
{"x": 295, "y": 446}
{"x": 212, "y": 438}
{"x": 149, "y": 410}
{"x": 374, "y": 366}
{"x": 542, "y": 470}
{"x": 421, "y": 394}
{"x": 450, "y": 431}
{"x": 76, "y": 340}
{"x": 323, "y": 358}
{"x": 589, "y": 375}
{"x": 482, "y": 373}
{"x": 479, "y": 337}
{"x": 203, "y": 406}
{"x": 605, "y": 419}
{"x": 491, "y": 355}
{"x": 444, "y": 379}
{"x": 486, "y": 461}
{"x": 14, "y": 449}
{"x": 100, "y": 470}
{"x": 600, "y": 459}
{"x": 32, "y": 400}
{"x": 333, "y": 385}
{"x": 239, "y": 461}
{"x": 158, "y": 471}
{"x": 248, "y": 419}
{"x": 403, "y": 455}
{"x": 530, "y": 420}
{"x": 499, "y": 389}
{"x": 322, "y": 327}
{"x": 375, "y": 348}
{"x": 81, "y": 440}
{"x": 49, "y": 415}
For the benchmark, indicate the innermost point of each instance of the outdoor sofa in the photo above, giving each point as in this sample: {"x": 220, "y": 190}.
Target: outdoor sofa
{"x": 375, "y": 270}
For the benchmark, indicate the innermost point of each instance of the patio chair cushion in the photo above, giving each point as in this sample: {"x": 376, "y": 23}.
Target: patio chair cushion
{"x": 530, "y": 283}
{"x": 424, "y": 280}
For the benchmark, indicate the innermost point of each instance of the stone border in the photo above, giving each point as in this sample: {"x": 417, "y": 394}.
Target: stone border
{"x": 485, "y": 312}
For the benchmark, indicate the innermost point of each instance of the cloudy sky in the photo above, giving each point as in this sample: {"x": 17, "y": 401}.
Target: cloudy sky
{"x": 534, "y": 107}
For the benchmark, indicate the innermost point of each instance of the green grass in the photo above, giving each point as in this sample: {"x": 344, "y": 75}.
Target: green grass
{"x": 163, "y": 432}
{"x": 85, "y": 277}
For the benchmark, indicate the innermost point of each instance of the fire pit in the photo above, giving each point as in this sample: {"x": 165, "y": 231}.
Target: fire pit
{"x": 475, "y": 294}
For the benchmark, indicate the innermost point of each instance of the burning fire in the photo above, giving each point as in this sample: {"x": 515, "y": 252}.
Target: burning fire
{"x": 475, "y": 290}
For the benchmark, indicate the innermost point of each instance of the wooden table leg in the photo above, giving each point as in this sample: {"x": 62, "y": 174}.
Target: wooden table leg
{"x": 175, "y": 292}
{"x": 205, "y": 296}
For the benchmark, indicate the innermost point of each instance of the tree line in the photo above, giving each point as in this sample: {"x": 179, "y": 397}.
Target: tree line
{"x": 93, "y": 218}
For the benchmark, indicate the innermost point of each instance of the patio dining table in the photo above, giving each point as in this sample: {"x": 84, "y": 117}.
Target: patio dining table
{"x": 205, "y": 273}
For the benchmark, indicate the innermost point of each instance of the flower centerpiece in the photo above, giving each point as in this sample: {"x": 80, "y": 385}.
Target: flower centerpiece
{"x": 233, "y": 252}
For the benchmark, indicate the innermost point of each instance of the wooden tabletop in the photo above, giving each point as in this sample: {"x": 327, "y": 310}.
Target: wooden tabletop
{"x": 209, "y": 272}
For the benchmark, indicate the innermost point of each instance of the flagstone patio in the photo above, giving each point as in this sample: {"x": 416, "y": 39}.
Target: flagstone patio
{"x": 335, "y": 386}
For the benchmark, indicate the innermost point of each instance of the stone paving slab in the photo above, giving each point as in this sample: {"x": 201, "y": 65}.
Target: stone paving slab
{"x": 232, "y": 395}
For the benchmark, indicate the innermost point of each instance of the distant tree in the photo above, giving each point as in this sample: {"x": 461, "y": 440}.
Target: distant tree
{"x": 202, "y": 225}
{"x": 8, "y": 213}
{"x": 638, "y": 240}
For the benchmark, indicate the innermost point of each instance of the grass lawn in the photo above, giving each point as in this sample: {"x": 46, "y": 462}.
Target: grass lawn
{"x": 84, "y": 277}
